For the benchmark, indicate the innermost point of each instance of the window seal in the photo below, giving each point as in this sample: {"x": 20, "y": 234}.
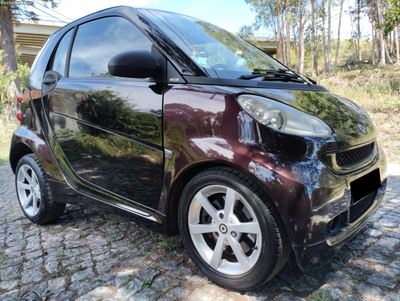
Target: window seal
{"x": 71, "y": 44}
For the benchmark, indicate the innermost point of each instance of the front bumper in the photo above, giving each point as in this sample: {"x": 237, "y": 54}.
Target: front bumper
{"x": 309, "y": 196}
{"x": 312, "y": 255}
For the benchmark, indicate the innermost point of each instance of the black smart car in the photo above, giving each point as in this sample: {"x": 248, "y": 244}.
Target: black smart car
{"x": 179, "y": 122}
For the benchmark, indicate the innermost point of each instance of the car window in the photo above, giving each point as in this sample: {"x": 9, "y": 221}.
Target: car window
{"x": 218, "y": 52}
{"x": 98, "y": 41}
{"x": 60, "y": 57}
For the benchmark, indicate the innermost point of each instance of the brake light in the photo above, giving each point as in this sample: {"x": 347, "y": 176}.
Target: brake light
{"x": 19, "y": 114}
{"x": 20, "y": 97}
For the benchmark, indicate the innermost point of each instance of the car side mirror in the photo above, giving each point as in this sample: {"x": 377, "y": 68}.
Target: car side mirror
{"x": 136, "y": 64}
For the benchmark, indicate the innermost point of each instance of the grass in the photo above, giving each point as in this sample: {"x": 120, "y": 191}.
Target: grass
{"x": 317, "y": 297}
{"x": 147, "y": 282}
{"x": 377, "y": 91}
{"x": 56, "y": 274}
{"x": 359, "y": 277}
{"x": 167, "y": 244}
{"x": 7, "y": 127}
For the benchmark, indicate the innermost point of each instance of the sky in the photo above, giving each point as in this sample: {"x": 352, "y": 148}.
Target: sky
{"x": 228, "y": 14}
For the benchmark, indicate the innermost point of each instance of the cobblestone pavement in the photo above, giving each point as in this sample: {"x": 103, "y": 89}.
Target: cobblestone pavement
{"x": 92, "y": 256}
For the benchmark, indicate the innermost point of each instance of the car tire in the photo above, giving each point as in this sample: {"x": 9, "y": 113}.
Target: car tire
{"x": 34, "y": 193}
{"x": 223, "y": 213}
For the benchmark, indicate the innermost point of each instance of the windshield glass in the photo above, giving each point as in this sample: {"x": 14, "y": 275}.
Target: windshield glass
{"x": 215, "y": 50}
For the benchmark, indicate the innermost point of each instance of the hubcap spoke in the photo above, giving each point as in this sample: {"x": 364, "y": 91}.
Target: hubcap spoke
{"x": 35, "y": 207}
{"x": 230, "y": 200}
{"x": 251, "y": 227}
{"x": 27, "y": 177}
{"x": 217, "y": 255}
{"x": 28, "y": 201}
{"x": 240, "y": 256}
{"x": 34, "y": 180}
{"x": 206, "y": 205}
{"x": 202, "y": 228}
{"x": 23, "y": 185}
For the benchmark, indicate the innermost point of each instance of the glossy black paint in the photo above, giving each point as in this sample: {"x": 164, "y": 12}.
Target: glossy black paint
{"x": 134, "y": 144}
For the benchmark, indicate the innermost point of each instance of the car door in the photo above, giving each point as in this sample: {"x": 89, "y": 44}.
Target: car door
{"x": 108, "y": 129}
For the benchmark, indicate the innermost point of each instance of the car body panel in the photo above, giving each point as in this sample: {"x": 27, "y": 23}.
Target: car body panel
{"x": 110, "y": 132}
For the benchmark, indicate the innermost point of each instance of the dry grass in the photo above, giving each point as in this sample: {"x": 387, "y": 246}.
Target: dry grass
{"x": 7, "y": 127}
{"x": 377, "y": 90}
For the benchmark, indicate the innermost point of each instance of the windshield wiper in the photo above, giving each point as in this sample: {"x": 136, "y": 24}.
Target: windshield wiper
{"x": 280, "y": 74}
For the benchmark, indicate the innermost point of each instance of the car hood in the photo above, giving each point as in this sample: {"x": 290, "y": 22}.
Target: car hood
{"x": 349, "y": 122}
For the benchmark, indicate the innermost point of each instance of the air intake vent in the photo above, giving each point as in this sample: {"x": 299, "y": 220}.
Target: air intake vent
{"x": 353, "y": 156}
{"x": 361, "y": 206}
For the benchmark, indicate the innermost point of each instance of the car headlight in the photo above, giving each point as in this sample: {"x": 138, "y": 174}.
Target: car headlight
{"x": 282, "y": 117}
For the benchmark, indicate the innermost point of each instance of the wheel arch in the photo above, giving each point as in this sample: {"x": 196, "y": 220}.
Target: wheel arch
{"x": 17, "y": 151}
{"x": 187, "y": 174}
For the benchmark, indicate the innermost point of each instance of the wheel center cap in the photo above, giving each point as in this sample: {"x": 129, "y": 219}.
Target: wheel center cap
{"x": 223, "y": 228}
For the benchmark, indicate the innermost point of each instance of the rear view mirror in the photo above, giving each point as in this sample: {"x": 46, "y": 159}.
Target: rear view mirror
{"x": 136, "y": 64}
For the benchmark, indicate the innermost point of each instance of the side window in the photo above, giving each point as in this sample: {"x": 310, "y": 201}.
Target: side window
{"x": 98, "y": 41}
{"x": 60, "y": 57}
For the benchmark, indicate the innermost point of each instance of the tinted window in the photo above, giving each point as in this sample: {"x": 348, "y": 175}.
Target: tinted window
{"x": 98, "y": 41}
{"x": 61, "y": 55}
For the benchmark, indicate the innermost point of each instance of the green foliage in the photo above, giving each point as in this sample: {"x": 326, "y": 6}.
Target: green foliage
{"x": 147, "y": 282}
{"x": 41, "y": 296}
{"x": 317, "y": 297}
{"x": 359, "y": 277}
{"x": 246, "y": 32}
{"x": 350, "y": 60}
{"x": 7, "y": 128}
{"x": 21, "y": 297}
{"x": 23, "y": 72}
{"x": 56, "y": 274}
{"x": 165, "y": 243}
{"x": 392, "y": 16}
{"x": 6, "y": 78}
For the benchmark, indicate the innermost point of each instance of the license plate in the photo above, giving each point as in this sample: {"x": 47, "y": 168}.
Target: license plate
{"x": 365, "y": 185}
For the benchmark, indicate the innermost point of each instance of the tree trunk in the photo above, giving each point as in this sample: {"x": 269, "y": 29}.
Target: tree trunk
{"x": 329, "y": 37}
{"x": 288, "y": 58}
{"x": 380, "y": 35}
{"x": 396, "y": 42}
{"x": 295, "y": 50}
{"x": 388, "y": 58}
{"x": 338, "y": 41}
{"x": 323, "y": 37}
{"x": 373, "y": 45}
{"x": 302, "y": 21}
{"x": 359, "y": 30}
{"x": 313, "y": 46}
{"x": 301, "y": 50}
{"x": 278, "y": 25}
{"x": 391, "y": 44}
{"x": 283, "y": 38}
{"x": 9, "y": 55}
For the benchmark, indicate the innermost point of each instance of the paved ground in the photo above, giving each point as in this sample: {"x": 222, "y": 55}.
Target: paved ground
{"x": 91, "y": 256}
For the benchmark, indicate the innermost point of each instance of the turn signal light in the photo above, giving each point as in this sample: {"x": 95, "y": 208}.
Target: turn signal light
{"x": 20, "y": 97}
{"x": 19, "y": 114}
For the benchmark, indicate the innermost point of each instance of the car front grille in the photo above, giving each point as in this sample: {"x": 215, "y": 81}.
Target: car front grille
{"x": 353, "y": 156}
{"x": 361, "y": 206}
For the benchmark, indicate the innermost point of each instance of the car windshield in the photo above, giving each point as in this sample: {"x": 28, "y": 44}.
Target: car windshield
{"x": 219, "y": 53}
